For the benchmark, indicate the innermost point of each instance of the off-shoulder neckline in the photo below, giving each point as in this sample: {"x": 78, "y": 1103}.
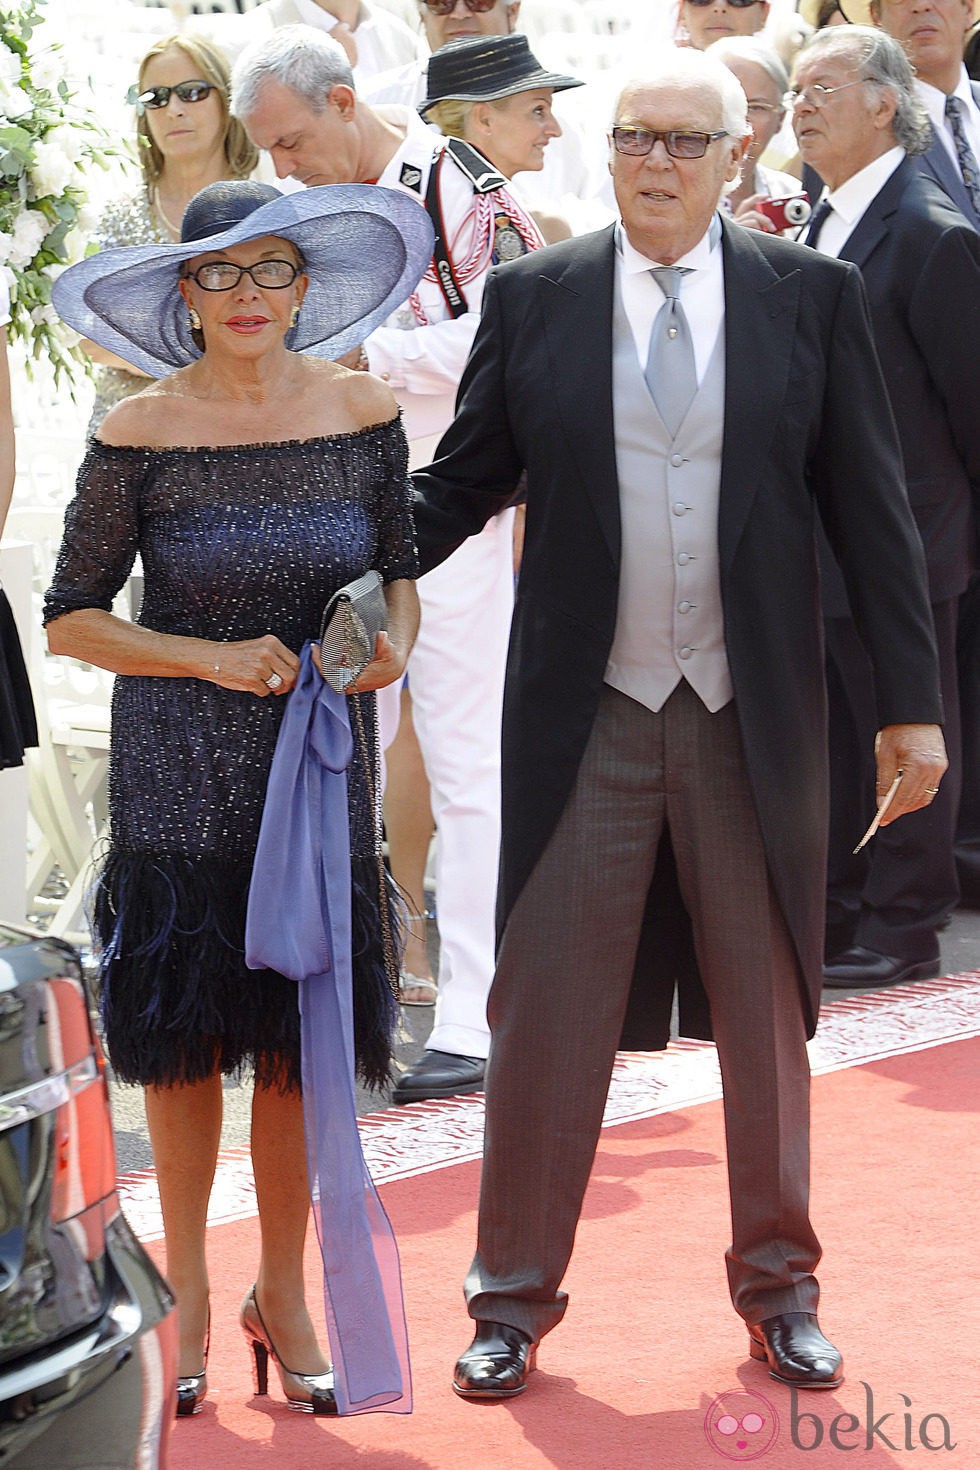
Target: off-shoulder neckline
{"x": 244, "y": 448}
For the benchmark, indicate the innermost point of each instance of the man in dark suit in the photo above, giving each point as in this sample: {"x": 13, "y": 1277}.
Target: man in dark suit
{"x": 664, "y": 744}
{"x": 920, "y": 261}
{"x": 933, "y": 34}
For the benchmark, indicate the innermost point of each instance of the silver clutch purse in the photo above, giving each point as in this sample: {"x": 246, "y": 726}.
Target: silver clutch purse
{"x": 352, "y": 620}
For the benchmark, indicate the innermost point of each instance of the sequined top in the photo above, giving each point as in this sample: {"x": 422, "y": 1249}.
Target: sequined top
{"x": 128, "y": 221}
{"x": 235, "y": 543}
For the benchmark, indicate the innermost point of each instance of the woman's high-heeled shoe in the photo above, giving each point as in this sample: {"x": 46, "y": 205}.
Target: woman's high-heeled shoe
{"x": 309, "y": 1393}
{"x": 192, "y": 1390}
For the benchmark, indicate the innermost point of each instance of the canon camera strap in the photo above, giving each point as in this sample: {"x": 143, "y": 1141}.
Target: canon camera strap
{"x": 484, "y": 179}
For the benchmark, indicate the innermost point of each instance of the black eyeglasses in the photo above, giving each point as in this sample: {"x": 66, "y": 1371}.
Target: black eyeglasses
{"x": 735, "y": 4}
{"x": 678, "y": 142}
{"x": 446, "y": 7}
{"x": 155, "y": 97}
{"x": 224, "y": 275}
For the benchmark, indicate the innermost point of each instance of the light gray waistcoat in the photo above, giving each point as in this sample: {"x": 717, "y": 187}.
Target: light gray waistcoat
{"x": 669, "y": 621}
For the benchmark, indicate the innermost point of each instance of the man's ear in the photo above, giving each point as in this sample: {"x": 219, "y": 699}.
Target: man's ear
{"x": 343, "y": 99}
{"x": 885, "y": 108}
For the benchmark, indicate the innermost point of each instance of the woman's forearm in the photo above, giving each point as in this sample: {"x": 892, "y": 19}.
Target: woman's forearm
{"x": 98, "y": 637}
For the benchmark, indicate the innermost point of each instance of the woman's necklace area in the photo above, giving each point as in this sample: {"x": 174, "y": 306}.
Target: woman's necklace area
{"x": 167, "y": 223}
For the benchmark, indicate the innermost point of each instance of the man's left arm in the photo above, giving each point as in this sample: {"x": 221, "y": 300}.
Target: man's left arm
{"x": 859, "y": 483}
{"x": 477, "y": 465}
{"x": 944, "y": 318}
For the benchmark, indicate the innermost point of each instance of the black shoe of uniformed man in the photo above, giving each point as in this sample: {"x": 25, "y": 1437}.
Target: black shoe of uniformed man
{"x": 859, "y": 966}
{"x": 496, "y": 1364}
{"x": 440, "y": 1074}
{"x": 797, "y": 1351}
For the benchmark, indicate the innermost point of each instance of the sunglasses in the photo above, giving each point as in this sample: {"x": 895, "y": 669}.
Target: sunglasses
{"x": 679, "y": 143}
{"x": 224, "y": 275}
{"x": 446, "y": 7}
{"x": 156, "y": 97}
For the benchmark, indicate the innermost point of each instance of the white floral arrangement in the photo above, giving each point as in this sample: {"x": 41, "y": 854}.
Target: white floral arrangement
{"x": 47, "y": 140}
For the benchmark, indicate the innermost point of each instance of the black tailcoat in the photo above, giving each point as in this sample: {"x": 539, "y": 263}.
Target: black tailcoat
{"x": 806, "y": 419}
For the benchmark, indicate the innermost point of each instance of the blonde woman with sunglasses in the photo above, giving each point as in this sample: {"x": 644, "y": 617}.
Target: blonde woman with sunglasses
{"x": 186, "y": 139}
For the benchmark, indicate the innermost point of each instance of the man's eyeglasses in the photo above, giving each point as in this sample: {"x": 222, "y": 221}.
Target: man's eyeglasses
{"x": 816, "y": 94}
{"x": 156, "y": 97}
{"x": 762, "y": 109}
{"x": 735, "y": 4}
{"x": 224, "y": 275}
{"x": 475, "y": 7}
{"x": 678, "y": 142}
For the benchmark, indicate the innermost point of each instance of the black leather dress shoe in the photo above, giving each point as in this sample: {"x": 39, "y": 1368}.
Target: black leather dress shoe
{"x": 440, "y": 1074}
{"x": 496, "y": 1364}
{"x": 797, "y": 1351}
{"x": 859, "y": 966}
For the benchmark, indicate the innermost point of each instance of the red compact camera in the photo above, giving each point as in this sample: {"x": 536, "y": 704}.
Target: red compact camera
{"x": 786, "y": 213}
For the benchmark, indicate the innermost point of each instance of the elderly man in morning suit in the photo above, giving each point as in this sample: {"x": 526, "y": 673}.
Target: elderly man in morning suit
{"x": 861, "y": 124}
{"x": 664, "y": 717}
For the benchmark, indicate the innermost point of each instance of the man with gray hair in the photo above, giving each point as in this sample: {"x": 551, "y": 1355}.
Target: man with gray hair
{"x": 860, "y": 123}
{"x": 683, "y": 395}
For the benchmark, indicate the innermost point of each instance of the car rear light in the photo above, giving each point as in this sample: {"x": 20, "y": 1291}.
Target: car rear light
{"x": 85, "y": 1158}
{"x": 73, "y": 1099}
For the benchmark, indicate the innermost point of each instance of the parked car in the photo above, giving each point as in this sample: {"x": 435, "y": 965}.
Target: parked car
{"x": 88, "y": 1335}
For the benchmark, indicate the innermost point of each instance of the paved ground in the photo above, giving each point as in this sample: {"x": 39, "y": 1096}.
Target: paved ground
{"x": 960, "y": 951}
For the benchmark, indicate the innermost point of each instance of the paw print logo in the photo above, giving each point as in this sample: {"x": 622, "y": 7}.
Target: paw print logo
{"x": 741, "y": 1425}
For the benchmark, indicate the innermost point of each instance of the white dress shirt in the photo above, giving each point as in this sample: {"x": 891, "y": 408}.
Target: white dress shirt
{"x": 849, "y": 202}
{"x": 702, "y": 295}
{"x": 934, "y": 102}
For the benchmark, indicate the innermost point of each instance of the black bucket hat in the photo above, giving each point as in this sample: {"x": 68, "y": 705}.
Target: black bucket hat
{"x": 486, "y": 68}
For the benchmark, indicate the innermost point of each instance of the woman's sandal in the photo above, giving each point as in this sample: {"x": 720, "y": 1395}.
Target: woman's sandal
{"x": 408, "y": 981}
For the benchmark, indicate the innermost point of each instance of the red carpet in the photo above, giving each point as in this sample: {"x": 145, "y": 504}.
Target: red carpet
{"x": 650, "y": 1341}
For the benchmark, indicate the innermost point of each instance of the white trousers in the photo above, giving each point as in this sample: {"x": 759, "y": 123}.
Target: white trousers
{"x": 456, "y": 678}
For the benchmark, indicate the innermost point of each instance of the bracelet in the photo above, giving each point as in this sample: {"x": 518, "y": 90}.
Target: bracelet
{"x": 362, "y": 366}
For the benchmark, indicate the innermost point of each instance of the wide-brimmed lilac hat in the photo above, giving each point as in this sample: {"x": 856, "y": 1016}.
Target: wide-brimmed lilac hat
{"x": 485, "y": 69}
{"x": 364, "y": 248}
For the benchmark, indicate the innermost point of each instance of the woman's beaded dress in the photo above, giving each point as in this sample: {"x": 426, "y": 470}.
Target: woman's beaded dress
{"x": 235, "y": 543}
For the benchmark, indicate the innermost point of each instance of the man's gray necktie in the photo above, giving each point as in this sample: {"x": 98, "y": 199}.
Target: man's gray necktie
{"x": 964, "y": 153}
{"x": 670, "y": 372}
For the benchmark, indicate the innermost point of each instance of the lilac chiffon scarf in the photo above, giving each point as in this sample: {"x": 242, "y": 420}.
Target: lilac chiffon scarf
{"x": 299, "y": 923}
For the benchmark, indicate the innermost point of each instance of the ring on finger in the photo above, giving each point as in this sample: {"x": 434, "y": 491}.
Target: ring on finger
{"x": 274, "y": 681}
{"x": 932, "y": 791}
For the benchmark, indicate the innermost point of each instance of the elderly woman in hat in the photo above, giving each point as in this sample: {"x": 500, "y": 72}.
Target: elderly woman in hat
{"x": 253, "y": 480}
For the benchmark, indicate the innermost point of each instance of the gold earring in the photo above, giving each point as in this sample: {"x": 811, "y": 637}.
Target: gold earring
{"x": 294, "y": 316}
{"x": 194, "y": 319}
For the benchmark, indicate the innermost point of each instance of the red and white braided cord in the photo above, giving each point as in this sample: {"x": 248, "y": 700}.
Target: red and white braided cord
{"x": 486, "y": 208}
